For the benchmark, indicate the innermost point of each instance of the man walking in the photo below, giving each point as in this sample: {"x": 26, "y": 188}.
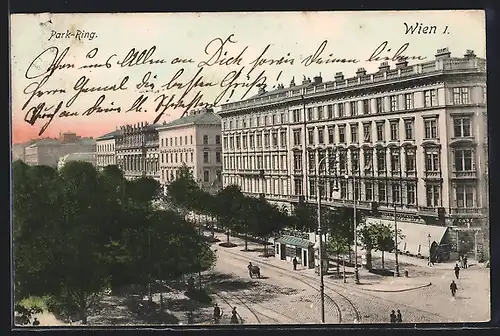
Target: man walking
{"x": 457, "y": 270}
{"x": 399, "y": 317}
{"x": 234, "y": 316}
{"x": 295, "y": 262}
{"x": 217, "y": 314}
{"x": 453, "y": 288}
{"x": 465, "y": 262}
{"x": 393, "y": 317}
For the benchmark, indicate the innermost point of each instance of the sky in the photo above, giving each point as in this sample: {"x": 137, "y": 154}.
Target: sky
{"x": 39, "y": 40}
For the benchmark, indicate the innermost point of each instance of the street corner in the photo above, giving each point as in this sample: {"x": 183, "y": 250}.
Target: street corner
{"x": 394, "y": 285}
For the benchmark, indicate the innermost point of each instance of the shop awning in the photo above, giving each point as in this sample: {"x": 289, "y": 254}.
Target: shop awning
{"x": 415, "y": 239}
{"x": 295, "y": 241}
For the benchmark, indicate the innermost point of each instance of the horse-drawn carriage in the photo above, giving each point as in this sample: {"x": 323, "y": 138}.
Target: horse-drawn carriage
{"x": 253, "y": 270}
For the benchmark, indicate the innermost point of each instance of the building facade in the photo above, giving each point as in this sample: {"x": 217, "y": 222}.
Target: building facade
{"x": 105, "y": 150}
{"x": 136, "y": 148}
{"x": 47, "y": 152}
{"x": 411, "y": 140}
{"x": 194, "y": 141}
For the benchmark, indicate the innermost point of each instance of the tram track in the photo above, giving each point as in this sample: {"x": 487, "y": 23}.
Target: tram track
{"x": 360, "y": 293}
{"x": 308, "y": 284}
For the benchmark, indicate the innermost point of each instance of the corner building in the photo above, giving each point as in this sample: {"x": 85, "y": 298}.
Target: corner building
{"x": 408, "y": 143}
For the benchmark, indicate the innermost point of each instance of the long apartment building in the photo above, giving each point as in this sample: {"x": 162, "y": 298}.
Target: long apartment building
{"x": 410, "y": 140}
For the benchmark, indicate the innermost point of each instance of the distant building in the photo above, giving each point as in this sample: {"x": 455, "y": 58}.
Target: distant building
{"x": 195, "y": 141}
{"x": 85, "y": 157}
{"x": 19, "y": 150}
{"x": 105, "y": 149}
{"x": 136, "y": 148}
{"x": 48, "y": 151}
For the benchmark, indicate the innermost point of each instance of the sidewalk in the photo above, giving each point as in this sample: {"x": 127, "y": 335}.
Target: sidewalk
{"x": 369, "y": 281}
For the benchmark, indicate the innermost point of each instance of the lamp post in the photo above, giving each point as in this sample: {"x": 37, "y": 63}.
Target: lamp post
{"x": 396, "y": 240}
{"x": 320, "y": 245}
{"x": 356, "y": 270}
{"x": 429, "y": 242}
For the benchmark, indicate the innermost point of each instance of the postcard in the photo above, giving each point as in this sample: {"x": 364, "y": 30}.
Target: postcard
{"x": 256, "y": 168}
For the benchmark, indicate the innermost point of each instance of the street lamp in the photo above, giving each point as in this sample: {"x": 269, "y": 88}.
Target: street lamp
{"x": 429, "y": 242}
{"x": 396, "y": 240}
{"x": 355, "y": 225}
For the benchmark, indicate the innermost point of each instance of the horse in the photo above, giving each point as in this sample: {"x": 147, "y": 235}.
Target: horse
{"x": 254, "y": 270}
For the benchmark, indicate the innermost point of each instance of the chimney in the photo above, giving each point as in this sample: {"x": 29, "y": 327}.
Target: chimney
{"x": 262, "y": 90}
{"x": 384, "y": 66}
{"x": 292, "y": 82}
{"x": 339, "y": 76}
{"x": 361, "y": 72}
{"x": 318, "y": 79}
{"x": 401, "y": 64}
{"x": 443, "y": 53}
{"x": 469, "y": 54}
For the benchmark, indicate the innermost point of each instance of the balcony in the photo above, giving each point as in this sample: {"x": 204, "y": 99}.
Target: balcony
{"x": 468, "y": 212}
{"x": 464, "y": 175}
{"x": 430, "y": 211}
{"x": 433, "y": 175}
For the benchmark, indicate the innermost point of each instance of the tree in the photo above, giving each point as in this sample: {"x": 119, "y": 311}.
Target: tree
{"x": 230, "y": 207}
{"x": 338, "y": 245}
{"x": 377, "y": 236}
{"x": 269, "y": 221}
{"x": 182, "y": 191}
{"x": 305, "y": 217}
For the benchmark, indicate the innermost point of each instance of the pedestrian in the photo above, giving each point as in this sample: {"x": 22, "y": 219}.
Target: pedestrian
{"x": 217, "y": 313}
{"x": 457, "y": 270}
{"x": 295, "y": 262}
{"x": 234, "y": 316}
{"x": 453, "y": 288}
{"x": 393, "y": 317}
{"x": 36, "y": 322}
{"x": 399, "y": 317}
{"x": 465, "y": 262}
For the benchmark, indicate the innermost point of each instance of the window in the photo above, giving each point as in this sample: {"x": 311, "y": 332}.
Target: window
{"x": 396, "y": 193}
{"x": 282, "y": 118}
{"x": 395, "y": 162}
{"x": 462, "y": 127}
{"x": 394, "y": 103}
{"x": 354, "y": 133}
{"x": 273, "y": 120}
{"x": 205, "y": 139}
{"x": 355, "y": 160}
{"x": 463, "y": 160}
{"x": 431, "y": 131}
{"x": 409, "y": 101}
{"x": 205, "y": 157}
{"x": 170, "y": 142}
{"x": 342, "y": 134}
{"x": 230, "y": 124}
{"x": 430, "y": 98}
{"x": 296, "y": 137}
{"x": 331, "y": 133}
{"x": 244, "y": 141}
{"x": 259, "y": 140}
{"x": 380, "y": 105}
{"x": 410, "y": 160}
{"x": 343, "y": 189}
{"x": 382, "y": 195}
{"x": 298, "y": 186}
{"x": 310, "y": 136}
{"x": 275, "y": 139}
{"x": 381, "y": 164}
{"x": 366, "y": 106}
{"x": 330, "y": 111}
{"x": 297, "y": 161}
{"x": 410, "y": 193}
{"x": 176, "y": 157}
{"x": 186, "y": 140}
{"x": 224, "y": 125}
{"x": 465, "y": 196}
{"x": 380, "y": 131}
{"x": 217, "y": 139}
{"x": 312, "y": 161}
{"x": 192, "y": 157}
{"x": 320, "y": 112}
{"x": 283, "y": 139}
{"x": 367, "y": 132}
{"x": 432, "y": 193}
{"x": 250, "y": 122}
{"x": 354, "y": 109}
{"x": 217, "y": 157}
{"x": 176, "y": 141}
{"x": 432, "y": 162}
{"x": 251, "y": 140}
{"x": 266, "y": 140}
{"x": 238, "y": 142}
{"x": 206, "y": 176}
{"x": 461, "y": 95}
{"x": 309, "y": 113}
{"x": 191, "y": 139}
{"x": 257, "y": 121}
{"x": 343, "y": 161}
{"x": 341, "y": 110}
{"x": 368, "y": 156}
{"x": 321, "y": 139}
{"x": 394, "y": 130}
{"x": 409, "y": 129}
{"x": 312, "y": 187}
{"x": 296, "y": 115}
{"x": 218, "y": 175}
{"x": 369, "y": 191}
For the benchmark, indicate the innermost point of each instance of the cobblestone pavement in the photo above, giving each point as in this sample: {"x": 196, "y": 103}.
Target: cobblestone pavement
{"x": 432, "y": 304}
